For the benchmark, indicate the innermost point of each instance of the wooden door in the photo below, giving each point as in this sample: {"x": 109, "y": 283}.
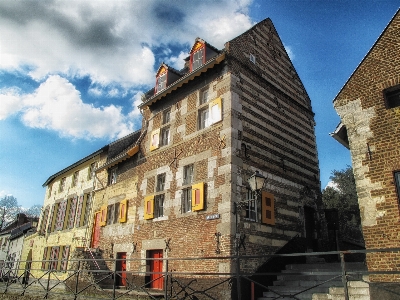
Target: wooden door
{"x": 96, "y": 230}
{"x": 121, "y": 268}
{"x": 156, "y": 268}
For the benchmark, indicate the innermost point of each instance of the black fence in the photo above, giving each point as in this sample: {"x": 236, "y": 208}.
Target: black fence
{"x": 85, "y": 279}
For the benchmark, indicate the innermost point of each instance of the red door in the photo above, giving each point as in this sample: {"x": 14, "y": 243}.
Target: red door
{"x": 121, "y": 268}
{"x": 156, "y": 268}
{"x": 96, "y": 230}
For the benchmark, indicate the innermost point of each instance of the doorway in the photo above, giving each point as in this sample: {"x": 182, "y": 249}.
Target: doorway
{"x": 121, "y": 269}
{"x": 309, "y": 221}
{"x": 96, "y": 230}
{"x": 156, "y": 268}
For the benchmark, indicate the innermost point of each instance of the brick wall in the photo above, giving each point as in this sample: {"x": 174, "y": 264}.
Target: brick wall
{"x": 361, "y": 107}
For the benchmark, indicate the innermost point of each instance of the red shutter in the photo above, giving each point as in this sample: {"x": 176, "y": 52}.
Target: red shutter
{"x": 54, "y": 258}
{"x": 64, "y": 261}
{"x": 72, "y": 211}
{"x": 44, "y": 262}
{"x": 51, "y": 218}
{"x": 62, "y": 207}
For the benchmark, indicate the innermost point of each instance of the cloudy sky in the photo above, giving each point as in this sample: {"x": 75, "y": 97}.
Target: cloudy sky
{"x": 72, "y": 72}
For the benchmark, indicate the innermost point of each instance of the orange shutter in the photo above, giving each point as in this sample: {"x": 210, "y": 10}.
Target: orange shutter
{"x": 198, "y": 196}
{"x": 103, "y": 219}
{"x": 123, "y": 205}
{"x": 267, "y": 208}
{"x": 149, "y": 207}
{"x": 154, "y": 139}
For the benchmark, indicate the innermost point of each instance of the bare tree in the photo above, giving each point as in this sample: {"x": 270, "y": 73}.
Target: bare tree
{"x": 9, "y": 209}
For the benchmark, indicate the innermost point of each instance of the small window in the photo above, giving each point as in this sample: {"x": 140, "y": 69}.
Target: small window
{"x": 251, "y": 206}
{"x": 166, "y": 116}
{"x": 159, "y": 206}
{"x": 397, "y": 180}
{"x": 62, "y": 184}
{"x": 203, "y": 118}
{"x": 252, "y": 58}
{"x": 50, "y": 189}
{"x": 186, "y": 205}
{"x": 160, "y": 182}
{"x": 204, "y": 96}
{"x": 165, "y": 136}
{"x": 113, "y": 213}
{"x": 197, "y": 59}
{"x": 75, "y": 178}
{"x": 187, "y": 174}
{"x": 161, "y": 82}
{"x": 92, "y": 167}
{"x": 112, "y": 179}
{"x": 392, "y": 96}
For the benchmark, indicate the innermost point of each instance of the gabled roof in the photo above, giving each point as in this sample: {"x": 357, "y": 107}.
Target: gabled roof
{"x": 163, "y": 67}
{"x": 121, "y": 150}
{"x": 340, "y": 134}
{"x": 79, "y": 162}
{"x": 198, "y": 41}
{"x": 368, "y": 53}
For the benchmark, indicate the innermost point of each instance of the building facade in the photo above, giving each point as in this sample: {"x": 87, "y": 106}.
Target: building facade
{"x": 369, "y": 109}
{"x": 178, "y": 188}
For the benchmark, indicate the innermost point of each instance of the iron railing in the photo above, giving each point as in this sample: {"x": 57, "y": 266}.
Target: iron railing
{"x": 79, "y": 281}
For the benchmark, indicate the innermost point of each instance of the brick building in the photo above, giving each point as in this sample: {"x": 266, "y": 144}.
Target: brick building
{"x": 369, "y": 109}
{"x": 170, "y": 190}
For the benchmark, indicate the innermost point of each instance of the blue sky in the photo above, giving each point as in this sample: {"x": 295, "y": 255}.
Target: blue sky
{"x": 72, "y": 72}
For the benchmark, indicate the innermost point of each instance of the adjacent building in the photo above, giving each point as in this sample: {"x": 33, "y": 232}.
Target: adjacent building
{"x": 369, "y": 109}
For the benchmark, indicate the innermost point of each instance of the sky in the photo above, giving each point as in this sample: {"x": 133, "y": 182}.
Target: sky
{"x": 72, "y": 72}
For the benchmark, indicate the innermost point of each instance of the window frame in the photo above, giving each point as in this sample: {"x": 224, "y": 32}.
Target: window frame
{"x": 75, "y": 178}
{"x": 188, "y": 174}
{"x": 203, "y": 117}
{"x": 165, "y": 136}
{"x": 195, "y": 59}
{"x": 166, "y": 116}
{"x": 251, "y": 206}
{"x": 112, "y": 177}
{"x": 204, "y": 96}
{"x": 62, "y": 184}
{"x": 392, "y": 91}
{"x": 186, "y": 201}
{"x": 163, "y": 78}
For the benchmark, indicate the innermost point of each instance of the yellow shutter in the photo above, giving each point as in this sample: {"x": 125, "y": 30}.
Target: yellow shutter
{"x": 149, "y": 207}
{"x": 123, "y": 208}
{"x": 198, "y": 196}
{"x": 215, "y": 108}
{"x": 154, "y": 139}
{"x": 103, "y": 219}
{"x": 267, "y": 208}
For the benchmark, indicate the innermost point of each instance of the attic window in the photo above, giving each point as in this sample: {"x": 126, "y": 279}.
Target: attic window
{"x": 161, "y": 82}
{"x": 197, "y": 58}
{"x": 392, "y": 96}
{"x": 252, "y": 58}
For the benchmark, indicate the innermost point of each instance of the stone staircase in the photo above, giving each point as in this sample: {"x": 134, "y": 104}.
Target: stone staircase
{"x": 317, "y": 281}
{"x": 99, "y": 270}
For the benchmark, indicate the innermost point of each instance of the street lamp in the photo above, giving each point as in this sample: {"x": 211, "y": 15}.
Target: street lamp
{"x": 256, "y": 181}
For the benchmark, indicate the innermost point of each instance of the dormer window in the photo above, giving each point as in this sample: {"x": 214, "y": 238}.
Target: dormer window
{"x": 161, "y": 82}
{"x": 198, "y": 58}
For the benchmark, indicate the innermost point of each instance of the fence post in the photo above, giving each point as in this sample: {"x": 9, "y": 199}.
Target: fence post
{"x": 166, "y": 280}
{"x": 115, "y": 277}
{"x": 48, "y": 284}
{"x": 344, "y": 277}
{"x": 238, "y": 283}
{"x": 77, "y": 280}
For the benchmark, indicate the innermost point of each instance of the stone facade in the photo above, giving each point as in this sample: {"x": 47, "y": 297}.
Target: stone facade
{"x": 372, "y": 126}
{"x": 244, "y": 109}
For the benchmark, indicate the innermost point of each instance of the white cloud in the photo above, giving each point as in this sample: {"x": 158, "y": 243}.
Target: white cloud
{"x": 110, "y": 41}
{"x": 56, "y": 105}
{"x": 10, "y": 103}
{"x": 177, "y": 62}
{"x": 289, "y": 52}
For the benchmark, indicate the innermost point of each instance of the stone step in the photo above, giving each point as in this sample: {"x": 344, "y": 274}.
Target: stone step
{"x": 326, "y": 266}
{"x": 308, "y": 283}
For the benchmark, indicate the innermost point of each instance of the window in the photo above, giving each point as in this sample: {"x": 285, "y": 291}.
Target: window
{"x": 92, "y": 167}
{"x": 60, "y": 215}
{"x": 252, "y": 58}
{"x": 55, "y": 258}
{"x": 71, "y": 212}
{"x": 82, "y": 210}
{"x": 187, "y": 174}
{"x": 197, "y": 59}
{"x": 203, "y": 118}
{"x": 112, "y": 177}
{"x": 165, "y": 136}
{"x": 186, "y": 200}
{"x": 397, "y": 180}
{"x": 251, "y": 206}
{"x": 160, "y": 182}
{"x": 211, "y": 114}
{"x": 62, "y": 184}
{"x": 50, "y": 189}
{"x": 204, "y": 96}
{"x": 166, "y": 116}
{"x": 75, "y": 178}
{"x": 155, "y": 139}
{"x": 113, "y": 213}
{"x": 159, "y": 206}
{"x": 161, "y": 82}
{"x": 43, "y": 222}
{"x": 267, "y": 208}
{"x": 392, "y": 96}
